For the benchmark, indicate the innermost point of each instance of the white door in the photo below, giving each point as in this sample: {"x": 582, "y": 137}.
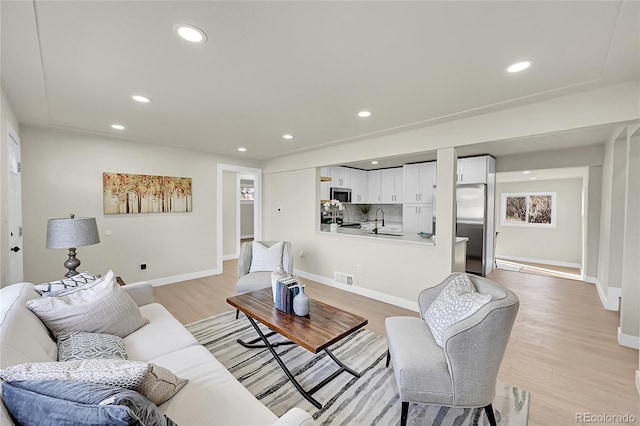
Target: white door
{"x": 14, "y": 219}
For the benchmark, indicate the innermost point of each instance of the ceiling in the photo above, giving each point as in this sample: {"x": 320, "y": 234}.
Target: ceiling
{"x": 304, "y": 68}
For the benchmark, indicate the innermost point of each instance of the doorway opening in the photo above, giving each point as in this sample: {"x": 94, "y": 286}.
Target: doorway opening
{"x": 229, "y": 221}
{"x": 541, "y": 221}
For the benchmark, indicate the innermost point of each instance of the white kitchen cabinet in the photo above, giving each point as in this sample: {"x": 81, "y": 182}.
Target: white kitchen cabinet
{"x": 358, "y": 186}
{"x": 417, "y": 217}
{"x": 419, "y": 180}
{"x": 473, "y": 169}
{"x": 392, "y": 186}
{"x": 374, "y": 187}
{"x": 340, "y": 177}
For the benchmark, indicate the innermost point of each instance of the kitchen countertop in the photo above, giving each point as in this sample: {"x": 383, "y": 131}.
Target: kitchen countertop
{"x": 404, "y": 237}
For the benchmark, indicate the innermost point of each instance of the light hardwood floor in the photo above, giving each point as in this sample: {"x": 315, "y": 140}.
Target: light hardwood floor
{"x": 563, "y": 347}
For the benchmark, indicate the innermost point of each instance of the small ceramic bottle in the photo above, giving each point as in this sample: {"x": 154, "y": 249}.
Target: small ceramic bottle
{"x": 301, "y": 303}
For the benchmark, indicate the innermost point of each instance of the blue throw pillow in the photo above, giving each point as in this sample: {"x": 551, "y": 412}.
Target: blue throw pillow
{"x": 53, "y": 402}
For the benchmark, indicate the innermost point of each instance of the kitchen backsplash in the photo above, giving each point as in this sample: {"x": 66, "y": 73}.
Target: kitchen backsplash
{"x": 392, "y": 213}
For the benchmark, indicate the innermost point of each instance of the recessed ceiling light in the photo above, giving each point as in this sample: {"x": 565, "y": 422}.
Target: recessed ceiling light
{"x": 519, "y": 66}
{"x": 141, "y": 99}
{"x": 117, "y": 126}
{"x": 190, "y": 33}
{"x": 241, "y": 149}
{"x": 374, "y": 162}
{"x": 533, "y": 178}
{"x": 364, "y": 114}
{"x": 287, "y": 136}
{"x": 526, "y": 172}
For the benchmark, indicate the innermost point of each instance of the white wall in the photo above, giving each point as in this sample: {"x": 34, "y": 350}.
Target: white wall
{"x": 6, "y": 115}
{"x": 562, "y": 244}
{"x": 62, "y": 174}
{"x": 589, "y": 155}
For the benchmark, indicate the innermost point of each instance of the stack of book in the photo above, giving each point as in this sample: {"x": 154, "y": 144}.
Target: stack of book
{"x": 286, "y": 290}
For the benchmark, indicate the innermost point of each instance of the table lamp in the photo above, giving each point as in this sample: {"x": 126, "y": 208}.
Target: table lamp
{"x": 70, "y": 233}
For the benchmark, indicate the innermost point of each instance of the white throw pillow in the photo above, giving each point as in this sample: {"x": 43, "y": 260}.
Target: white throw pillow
{"x": 98, "y": 307}
{"x": 266, "y": 259}
{"x": 45, "y": 289}
{"x": 457, "y": 301}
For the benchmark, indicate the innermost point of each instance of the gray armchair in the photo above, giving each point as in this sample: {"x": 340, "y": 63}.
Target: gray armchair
{"x": 461, "y": 373}
{"x": 258, "y": 280}
{"x": 251, "y": 281}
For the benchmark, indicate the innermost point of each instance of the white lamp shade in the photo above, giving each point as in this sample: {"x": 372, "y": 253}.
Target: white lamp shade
{"x": 72, "y": 232}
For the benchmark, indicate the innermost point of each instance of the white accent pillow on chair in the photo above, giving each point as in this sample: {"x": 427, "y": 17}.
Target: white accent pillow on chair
{"x": 457, "y": 301}
{"x": 266, "y": 259}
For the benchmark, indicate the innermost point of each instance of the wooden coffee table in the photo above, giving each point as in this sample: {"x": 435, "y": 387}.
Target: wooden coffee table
{"x": 324, "y": 326}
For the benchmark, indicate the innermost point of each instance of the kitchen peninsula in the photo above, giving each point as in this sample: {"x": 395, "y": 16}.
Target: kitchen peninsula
{"x": 400, "y": 237}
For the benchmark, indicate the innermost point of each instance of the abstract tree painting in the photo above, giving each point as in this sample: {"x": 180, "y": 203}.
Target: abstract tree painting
{"x": 540, "y": 207}
{"x": 128, "y": 194}
{"x": 516, "y": 209}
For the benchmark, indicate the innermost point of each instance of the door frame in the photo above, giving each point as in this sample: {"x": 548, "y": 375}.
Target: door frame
{"x": 257, "y": 208}
{"x": 12, "y": 275}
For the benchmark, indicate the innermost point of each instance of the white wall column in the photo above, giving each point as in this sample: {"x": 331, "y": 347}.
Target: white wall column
{"x": 609, "y": 280}
{"x": 446, "y": 202}
{"x": 629, "y": 332}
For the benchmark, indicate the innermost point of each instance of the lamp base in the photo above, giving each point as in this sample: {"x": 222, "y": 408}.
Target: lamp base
{"x": 72, "y": 263}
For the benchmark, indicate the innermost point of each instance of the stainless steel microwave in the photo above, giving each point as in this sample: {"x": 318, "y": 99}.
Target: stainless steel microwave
{"x": 341, "y": 194}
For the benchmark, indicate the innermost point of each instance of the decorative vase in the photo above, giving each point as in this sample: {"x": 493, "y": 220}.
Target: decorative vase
{"x": 301, "y": 303}
{"x": 333, "y": 227}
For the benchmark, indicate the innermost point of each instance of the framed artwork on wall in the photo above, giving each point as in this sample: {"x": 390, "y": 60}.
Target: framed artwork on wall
{"x": 131, "y": 194}
{"x": 528, "y": 209}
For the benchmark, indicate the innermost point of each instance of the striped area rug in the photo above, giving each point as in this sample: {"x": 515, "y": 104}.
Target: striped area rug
{"x": 369, "y": 400}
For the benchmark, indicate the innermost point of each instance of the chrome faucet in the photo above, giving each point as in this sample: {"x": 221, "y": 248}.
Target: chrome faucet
{"x": 375, "y": 220}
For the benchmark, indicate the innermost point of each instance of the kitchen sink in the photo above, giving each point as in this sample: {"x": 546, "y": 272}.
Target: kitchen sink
{"x": 383, "y": 233}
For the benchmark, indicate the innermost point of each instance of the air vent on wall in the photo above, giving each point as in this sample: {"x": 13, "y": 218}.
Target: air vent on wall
{"x": 342, "y": 278}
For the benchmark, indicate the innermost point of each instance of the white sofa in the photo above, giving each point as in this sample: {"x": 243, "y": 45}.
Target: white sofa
{"x": 212, "y": 396}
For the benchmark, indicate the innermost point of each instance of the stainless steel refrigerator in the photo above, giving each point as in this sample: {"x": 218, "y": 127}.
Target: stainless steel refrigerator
{"x": 471, "y": 222}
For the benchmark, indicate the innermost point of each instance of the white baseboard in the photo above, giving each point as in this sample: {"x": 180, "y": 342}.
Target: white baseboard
{"x": 242, "y": 237}
{"x": 638, "y": 381}
{"x": 611, "y": 298}
{"x": 590, "y": 280}
{"x": 230, "y": 256}
{"x": 540, "y": 261}
{"x": 183, "y": 277}
{"x": 628, "y": 340}
{"x": 372, "y": 294}
{"x": 506, "y": 266}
